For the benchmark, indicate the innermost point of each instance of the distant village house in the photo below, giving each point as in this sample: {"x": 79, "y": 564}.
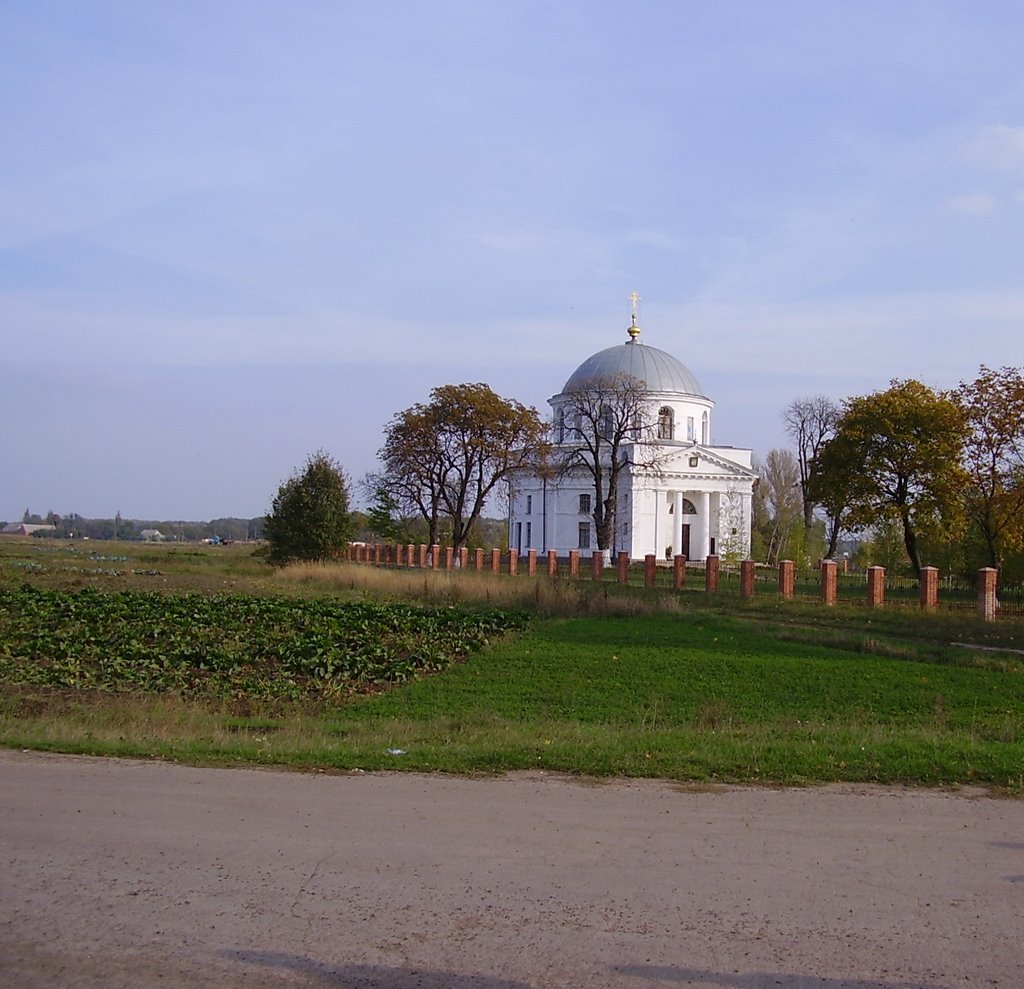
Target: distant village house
{"x": 25, "y": 529}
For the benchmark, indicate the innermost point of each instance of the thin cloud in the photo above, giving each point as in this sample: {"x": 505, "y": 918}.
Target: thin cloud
{"x": 978, "y": 203}
{"x": 999, "y": 147}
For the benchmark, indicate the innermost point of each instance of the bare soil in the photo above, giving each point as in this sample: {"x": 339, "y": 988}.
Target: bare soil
{"x": 135, "y": 874}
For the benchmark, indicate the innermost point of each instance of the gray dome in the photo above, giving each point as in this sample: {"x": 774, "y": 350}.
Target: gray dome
{"x": 661, "y": 372}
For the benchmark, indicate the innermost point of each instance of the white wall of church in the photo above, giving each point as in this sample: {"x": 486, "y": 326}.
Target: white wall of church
{"x": 559, "y": 516}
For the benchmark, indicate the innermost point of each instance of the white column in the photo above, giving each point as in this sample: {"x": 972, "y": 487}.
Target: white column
{"x": 744, "y": 525}
{"x": 677, "y": 523}
{"x": 705, "y": 529}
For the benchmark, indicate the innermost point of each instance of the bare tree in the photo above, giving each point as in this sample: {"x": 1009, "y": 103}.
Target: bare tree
{"x": 777, "y": 502}
{"x": 603, "y": 428}
{"x": 810, "y": 423}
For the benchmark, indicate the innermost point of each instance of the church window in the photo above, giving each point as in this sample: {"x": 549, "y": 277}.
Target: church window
{"x": 704, "y": 426}
{"x": 529, "y": 504}
{"x": 578, "y": 426}
{"x": 529, "y": 534}
{"x": 689, "y": 428}
{"x": 584, "y": 535}
{"x": 584, "y": 504}
{"x": 606, "y": 425}
{"x": 665, "y": 423}
{"x": 560, "y": 426}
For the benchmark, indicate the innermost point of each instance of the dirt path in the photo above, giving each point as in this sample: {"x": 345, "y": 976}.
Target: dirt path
{"x": 133, "y": 874}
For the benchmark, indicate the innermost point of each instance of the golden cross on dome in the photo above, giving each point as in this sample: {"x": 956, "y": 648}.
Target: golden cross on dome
{"x": 634, "y": 329}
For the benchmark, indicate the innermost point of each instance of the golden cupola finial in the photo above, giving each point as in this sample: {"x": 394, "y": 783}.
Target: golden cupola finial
{"x": 634, "y": 327}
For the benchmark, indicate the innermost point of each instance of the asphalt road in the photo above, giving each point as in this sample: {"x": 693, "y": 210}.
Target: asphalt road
{"x": 135, "y": 874}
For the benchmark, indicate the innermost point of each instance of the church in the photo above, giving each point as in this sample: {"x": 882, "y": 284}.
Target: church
{"x": 675, "y": 491}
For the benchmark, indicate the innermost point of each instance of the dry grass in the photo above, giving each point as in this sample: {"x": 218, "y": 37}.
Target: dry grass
{"x": 541, "y": 595}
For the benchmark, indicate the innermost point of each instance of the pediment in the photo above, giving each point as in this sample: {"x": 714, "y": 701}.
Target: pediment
{"x": 710, "y": 460}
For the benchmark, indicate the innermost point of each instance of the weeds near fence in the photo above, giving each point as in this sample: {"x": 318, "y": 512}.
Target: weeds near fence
{"x": 544, "y": 596}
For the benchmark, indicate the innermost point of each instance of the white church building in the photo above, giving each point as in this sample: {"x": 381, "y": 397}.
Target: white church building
{"x": 678, "y": 492}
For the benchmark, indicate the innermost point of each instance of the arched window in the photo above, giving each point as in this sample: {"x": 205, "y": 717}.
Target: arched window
{"x": 607, "y": 424}
{"x": 560, "y": 426}
{"x": 704, "y": 429}
{"x": 666, "y": 423}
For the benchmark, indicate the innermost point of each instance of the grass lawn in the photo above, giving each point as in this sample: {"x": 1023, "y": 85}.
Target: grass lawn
{"x": 682, "y": 687}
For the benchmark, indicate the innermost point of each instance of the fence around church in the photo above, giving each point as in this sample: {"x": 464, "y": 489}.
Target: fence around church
{"x": 828, "y": 583}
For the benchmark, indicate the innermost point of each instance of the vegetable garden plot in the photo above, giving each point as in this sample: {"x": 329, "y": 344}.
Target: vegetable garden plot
{"x": 229, "y": 645}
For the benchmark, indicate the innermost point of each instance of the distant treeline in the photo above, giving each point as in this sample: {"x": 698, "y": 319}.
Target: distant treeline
{"x": 74, "y": 526}
{"x": 490, "y": 532}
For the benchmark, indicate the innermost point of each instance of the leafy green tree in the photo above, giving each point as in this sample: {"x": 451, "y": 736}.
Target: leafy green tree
{"x": 993, "y": 407}
{"x": 310, "y": 517}
{"x": 383, "y": 518}
{"x": 897, "y": 454}
{"x": 884, "y": 548}
{"x": 443, "y": 459}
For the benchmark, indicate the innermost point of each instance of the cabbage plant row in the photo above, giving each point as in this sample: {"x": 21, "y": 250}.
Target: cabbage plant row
{"x": 229, "y": 645}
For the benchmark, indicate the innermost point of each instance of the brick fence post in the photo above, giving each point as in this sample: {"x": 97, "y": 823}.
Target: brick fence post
{"x": 531, "y": 563}
{"x": 623, "y": 563}
{"x": 423, "y": 556}
{"x": 828, "y": 581}
{"x": 711, "y": 575}
{"x": 746, "y": 578}
{"x": 650, "y": 569}
{"x": 787, "y": 571}
{"x": 435, "y": 557}
{"x": 478, "y": 558}
{"x": 464, "y": 557}
{"x": 574, "y": 563}
{"x": 552, "y": 562}
{"x": 987, "y": 603}
{"x": 495, "y": 561}
{"x": 410, "y": 556}
{"x": 597, "y": 564}
{"x": 449, "y": 557}
{"x": 679, "y": 572}
{"x": 929, "y": 588}
{"x": 513, "y": 562}
{"x": 876, "y": 586}
{"x": 377, "y": 552}
{"x": 399, "y": 555}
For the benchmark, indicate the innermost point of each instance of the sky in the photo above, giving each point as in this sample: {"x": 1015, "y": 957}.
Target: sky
{"x": 234, "y": 233}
